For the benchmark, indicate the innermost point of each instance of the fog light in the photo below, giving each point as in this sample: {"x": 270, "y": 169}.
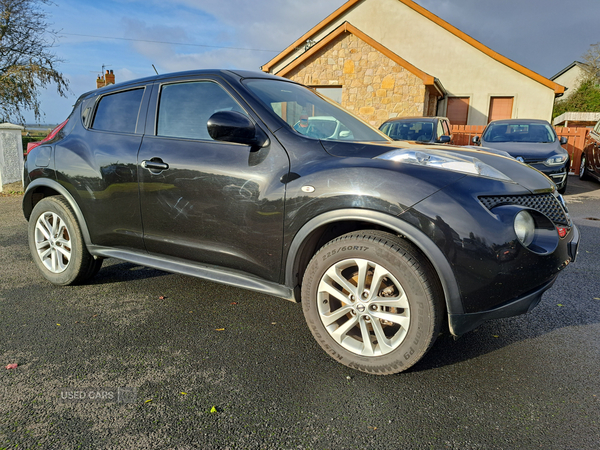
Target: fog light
{"x": 524, "y": 228}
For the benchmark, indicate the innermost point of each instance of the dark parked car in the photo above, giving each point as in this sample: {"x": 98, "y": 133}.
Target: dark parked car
{"x": 533, "y": 142}
{"x": 425, "y": 130}
{"x": 590, "y": 157}
{"x": 203, "y": 173}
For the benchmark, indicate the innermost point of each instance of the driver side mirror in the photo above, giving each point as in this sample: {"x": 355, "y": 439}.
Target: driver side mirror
{"x": 444, "y": 139}
{"x": 476, "y": 140}
{"x": 563, "y": 140}
{"x": 232, "y": 126}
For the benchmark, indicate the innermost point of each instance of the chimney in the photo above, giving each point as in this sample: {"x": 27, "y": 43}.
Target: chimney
{"x": 109, "y": 77}
{"x": 100, "y": 82}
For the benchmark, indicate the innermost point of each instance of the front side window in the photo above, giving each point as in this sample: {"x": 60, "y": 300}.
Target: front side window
{"x": 185, "y": 108}
{"x": 519, "y": 132}
{"x": 118, "y": 112}
{"x": 309, "y": 114}
{"x": 440, "y": 129}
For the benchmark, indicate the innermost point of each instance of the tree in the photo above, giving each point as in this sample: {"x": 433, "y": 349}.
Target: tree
{"x": 586, "y": 97}
{"x": 592, "y": 62}
{"x": 27, "y": 63}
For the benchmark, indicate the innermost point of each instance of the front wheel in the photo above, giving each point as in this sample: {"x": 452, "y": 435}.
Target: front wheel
{"x": 372, "y": 301}
{"x": 57, "y": 245}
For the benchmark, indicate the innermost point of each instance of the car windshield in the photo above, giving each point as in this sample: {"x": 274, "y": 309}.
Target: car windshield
{"x": 409, "y": 130}
{"x": 519, "y": 132}
{"x": 309, "y": 114}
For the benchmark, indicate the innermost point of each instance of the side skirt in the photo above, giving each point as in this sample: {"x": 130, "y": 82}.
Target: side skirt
{"x": 207, "y": 272}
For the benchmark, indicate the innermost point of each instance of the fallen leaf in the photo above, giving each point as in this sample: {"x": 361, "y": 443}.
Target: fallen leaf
{"x": 273, "y": 323}
{"x": 559, "y": 304}
{"x": 148, "y": 401}
{"x": 596, "y": 298}
{"x": 373, "y": 428}
{"x": 12, "y": 366}
{"x": 234, "y": 303}
{"x": 184, "y": 393}
{"x": 220, "y": 329}
{"x": 162, "y": 297}
{"x": 191, "y": 312}
{"x": 213, "y": 410}
{"x": 58, "y": 324}
{"x": 495, "y": 335}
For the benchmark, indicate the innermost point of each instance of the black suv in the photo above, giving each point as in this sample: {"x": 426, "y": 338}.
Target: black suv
{"x": 204, "y": 173}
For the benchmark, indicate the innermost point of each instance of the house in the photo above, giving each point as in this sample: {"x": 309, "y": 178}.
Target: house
{"x": 570, "y": 77}
{"x": 105, "y": 80}
{"x": 388, "y": 58}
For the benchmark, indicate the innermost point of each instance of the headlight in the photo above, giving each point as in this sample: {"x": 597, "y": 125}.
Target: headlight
{"x": 556, "y": 160}
{"x": 524, "y": 228}
{"x": 445, "y": 160}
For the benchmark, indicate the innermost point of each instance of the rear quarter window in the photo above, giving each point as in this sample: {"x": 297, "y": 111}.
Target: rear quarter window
{"x": 118, "y": 112}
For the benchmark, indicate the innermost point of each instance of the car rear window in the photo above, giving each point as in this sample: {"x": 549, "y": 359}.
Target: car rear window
{"x": 118, "y": 112}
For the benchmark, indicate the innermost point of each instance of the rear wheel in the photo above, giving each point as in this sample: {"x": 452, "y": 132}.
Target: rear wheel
{"x": 372, "y": 301}
{"x": 56, "y": 243}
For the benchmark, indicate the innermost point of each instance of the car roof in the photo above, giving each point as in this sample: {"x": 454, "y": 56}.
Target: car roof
{"x": 241, "y": 74}
{"x": 421, "y": 118}
{"x": 519, "y": 121}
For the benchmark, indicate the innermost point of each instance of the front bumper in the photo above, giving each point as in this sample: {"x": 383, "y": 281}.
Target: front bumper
{"x": 557, "y": 174}
{"x": 463, "y": 323}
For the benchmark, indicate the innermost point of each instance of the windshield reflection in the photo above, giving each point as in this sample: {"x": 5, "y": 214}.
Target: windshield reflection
{"x": 311, "y": 115}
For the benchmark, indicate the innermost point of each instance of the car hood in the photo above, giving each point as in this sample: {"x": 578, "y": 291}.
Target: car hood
{"x": 537, "y": 151}
{"x": 523, "y": 174}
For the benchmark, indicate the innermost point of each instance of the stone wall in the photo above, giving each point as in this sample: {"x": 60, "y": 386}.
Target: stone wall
{"x": 11, "y": 154}
{"x": 374, "y": 87}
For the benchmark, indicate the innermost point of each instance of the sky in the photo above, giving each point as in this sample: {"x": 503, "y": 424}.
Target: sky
{"x": 129, "y": 36}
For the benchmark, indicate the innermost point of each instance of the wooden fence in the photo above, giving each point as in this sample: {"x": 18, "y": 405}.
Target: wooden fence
{"x": 463, "y": 135}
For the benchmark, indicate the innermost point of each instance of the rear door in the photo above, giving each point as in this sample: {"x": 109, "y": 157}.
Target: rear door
{"x": 209, "y": 201}
{"x": 102, "y": 165}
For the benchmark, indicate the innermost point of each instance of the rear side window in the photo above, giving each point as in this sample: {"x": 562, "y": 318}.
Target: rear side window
{"x": 118, "y": 112}
{"x": 185, "y": 108}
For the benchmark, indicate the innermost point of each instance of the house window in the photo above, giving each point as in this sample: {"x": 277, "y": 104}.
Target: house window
{"x": 458, "y": 110}
{"x": 500, "y": 108}
{"x": 331, "y": 92}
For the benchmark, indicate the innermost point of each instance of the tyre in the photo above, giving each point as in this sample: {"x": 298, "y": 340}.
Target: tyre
{"x": 372, "y": 302}
{"x": 563, "y": 189}
{"x": 57, "y": 245}
{"x": 582, "y": 169}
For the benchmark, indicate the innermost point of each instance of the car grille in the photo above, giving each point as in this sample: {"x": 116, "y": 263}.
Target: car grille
{"x": 547, "y": 204}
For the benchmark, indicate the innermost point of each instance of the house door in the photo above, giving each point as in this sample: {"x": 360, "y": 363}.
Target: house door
{"x": 500, "y": 108}
{"x": 458, "y": 110}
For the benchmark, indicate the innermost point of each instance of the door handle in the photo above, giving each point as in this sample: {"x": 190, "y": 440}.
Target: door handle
{"x": 154, "y": 164}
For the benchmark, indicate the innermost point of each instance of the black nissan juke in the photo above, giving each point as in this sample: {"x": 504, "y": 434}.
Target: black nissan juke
{"x": 208, "y": 173}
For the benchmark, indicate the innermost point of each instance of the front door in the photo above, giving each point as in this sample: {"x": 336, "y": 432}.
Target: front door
{"x": 208, "y": 201}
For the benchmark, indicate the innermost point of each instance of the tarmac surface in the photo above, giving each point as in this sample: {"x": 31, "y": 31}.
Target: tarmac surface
{"x": 202, "y": 365}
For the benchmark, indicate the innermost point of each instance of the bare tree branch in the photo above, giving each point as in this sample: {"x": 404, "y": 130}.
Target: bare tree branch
{"x": 27, "y": 63}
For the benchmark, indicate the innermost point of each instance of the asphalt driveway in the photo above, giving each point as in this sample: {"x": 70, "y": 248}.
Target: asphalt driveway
{"x": 201, "y": 365}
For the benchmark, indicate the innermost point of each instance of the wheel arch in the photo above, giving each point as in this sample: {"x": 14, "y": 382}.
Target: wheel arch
{"x": 327, "y": 226}
{"x": 44, "y": 187}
